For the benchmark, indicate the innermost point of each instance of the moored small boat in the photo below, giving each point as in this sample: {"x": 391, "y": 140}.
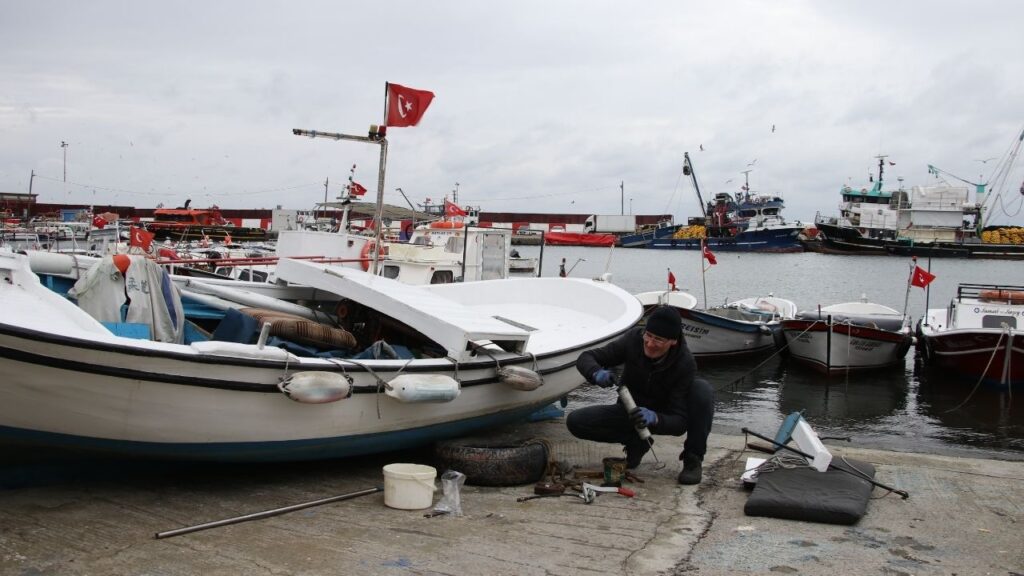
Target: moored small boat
{"x": 742, "y": 327}
{"x": 978, "y": 336}
{"x": 72, "y": 381}
{"x": 849, "y": 336}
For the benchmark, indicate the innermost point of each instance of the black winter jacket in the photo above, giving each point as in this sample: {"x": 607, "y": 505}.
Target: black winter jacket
{"x": 661, "y": 385}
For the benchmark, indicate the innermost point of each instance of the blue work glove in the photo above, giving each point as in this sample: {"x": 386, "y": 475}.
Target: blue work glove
{"x": 643, "y": 417}
{"x": 603, "y": 378}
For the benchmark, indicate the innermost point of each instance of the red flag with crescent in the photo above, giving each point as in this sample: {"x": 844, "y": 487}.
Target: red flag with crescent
{"x": 141, "y": 238}
{"x": 672, "y": 281}
{"x": 921, "y": 277}
{"x": 708, "y": 255}
{"x": 406, "y": 105}
{"x": 452, "y": 209}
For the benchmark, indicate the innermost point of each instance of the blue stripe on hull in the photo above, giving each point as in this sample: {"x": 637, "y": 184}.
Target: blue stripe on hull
{"x": 759, "y": 241}
{"x": 286, "y": 450}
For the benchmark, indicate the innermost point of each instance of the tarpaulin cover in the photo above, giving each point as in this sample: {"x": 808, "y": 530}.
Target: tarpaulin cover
{"x": 803, "y": 493}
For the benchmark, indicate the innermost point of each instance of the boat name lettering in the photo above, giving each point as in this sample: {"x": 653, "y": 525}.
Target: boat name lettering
{"x": 864, "y": 345}
{"x": 694, "y": 330}
{"x": 999, "y": 311}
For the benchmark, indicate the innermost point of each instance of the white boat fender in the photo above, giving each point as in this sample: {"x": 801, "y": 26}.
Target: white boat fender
{"x": 314, "y": 387}
{"x": 764, "y": 329}
{"x": 415, "y": 388}
{"x": 520, "y": 378}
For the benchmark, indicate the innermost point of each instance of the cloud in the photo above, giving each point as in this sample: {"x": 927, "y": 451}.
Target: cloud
{"x": 538, "y": 104}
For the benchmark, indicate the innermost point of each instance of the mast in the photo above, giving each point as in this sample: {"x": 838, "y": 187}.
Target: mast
{"x": 688, "y": 171}
{"x": 376, "y": 135}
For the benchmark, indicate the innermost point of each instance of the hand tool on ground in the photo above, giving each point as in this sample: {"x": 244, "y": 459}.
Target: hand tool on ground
{"x": 902, "y": 493}
{"x": 588, "y": 493}
{"x": 613, "y": 489}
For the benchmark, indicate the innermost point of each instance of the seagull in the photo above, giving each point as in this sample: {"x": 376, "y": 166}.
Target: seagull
{"x": 752, "y": 163}
{"x": 729, "y": 180}
{"x": 773, "y": 128}
{"x": 701, "y": 147}
{"x": 985, "y": 161}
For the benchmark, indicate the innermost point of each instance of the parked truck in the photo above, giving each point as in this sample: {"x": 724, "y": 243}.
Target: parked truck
{"x": 610, "y": 223}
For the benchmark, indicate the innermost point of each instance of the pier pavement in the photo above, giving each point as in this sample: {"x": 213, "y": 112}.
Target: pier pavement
{"x": 964, "y": 516}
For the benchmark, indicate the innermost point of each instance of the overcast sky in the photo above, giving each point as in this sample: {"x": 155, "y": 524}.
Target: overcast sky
{"x": 540, "y": 105}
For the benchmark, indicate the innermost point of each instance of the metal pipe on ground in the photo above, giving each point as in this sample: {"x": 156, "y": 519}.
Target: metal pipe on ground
{"x": 266, "y": 513}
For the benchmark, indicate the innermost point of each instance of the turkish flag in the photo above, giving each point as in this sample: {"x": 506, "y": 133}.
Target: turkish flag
{"x": 141, "y": 238}
{"x": 707, "y": 253}
{"x": 921, "y": 277}
{"x": 672, "y": 280}
{"x": 356, "y": 189}
{"x": 406, "y": 105}
{"x": 98, "y": 221}
{"x": 452, "y": 209}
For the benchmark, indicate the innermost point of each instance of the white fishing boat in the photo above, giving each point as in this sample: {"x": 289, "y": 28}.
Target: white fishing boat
{"x": 849, "y": 336}
{"x": 741, "y": 327}
{"x": 978, "y": 336}
{"x": 468, "y": 356}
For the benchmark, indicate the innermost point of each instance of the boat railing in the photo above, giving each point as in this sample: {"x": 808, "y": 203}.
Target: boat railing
{"x": 987, "y": 291}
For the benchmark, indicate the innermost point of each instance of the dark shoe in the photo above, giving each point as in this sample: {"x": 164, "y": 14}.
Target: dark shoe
{"x": 634, "y": 456}
{"x": 691, "y": 472}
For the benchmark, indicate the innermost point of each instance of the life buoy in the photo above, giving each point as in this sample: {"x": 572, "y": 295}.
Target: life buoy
{"x": 1005, "y": 296}
{"x": 364, "y": 255}
{"x": 494, "y": 462}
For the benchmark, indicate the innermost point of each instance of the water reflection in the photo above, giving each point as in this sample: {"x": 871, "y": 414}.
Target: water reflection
{"x": 759, "y": 396}
{"x": 983, "y": 418}
{"x": 896, "y": 409}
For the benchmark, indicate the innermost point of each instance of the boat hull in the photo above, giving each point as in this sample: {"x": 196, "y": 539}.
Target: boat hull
{"x": 990, "y": 356}
{"x": 838, "y": 347}
{"x": 709, "y": 336}
{"x": 70, "y": 382}
{"x": 131, "y": 401}
{"x": 770, "y": 240}
{"x": 643, "y": 239}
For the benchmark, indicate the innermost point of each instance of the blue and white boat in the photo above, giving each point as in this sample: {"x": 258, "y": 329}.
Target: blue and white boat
{"x": 746, "y": 222}
{"x": 739, "y": 328}
{"x": 475, "y": 355}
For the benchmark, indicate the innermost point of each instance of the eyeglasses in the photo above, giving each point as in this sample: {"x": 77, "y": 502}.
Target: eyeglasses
{"x": 656, "y": 339}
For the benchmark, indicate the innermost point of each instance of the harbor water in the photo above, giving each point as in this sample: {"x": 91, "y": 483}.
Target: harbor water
{"x": 903, "y": 408}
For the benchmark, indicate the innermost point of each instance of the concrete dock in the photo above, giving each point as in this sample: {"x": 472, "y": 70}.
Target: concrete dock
{"x": 964, "y": 516}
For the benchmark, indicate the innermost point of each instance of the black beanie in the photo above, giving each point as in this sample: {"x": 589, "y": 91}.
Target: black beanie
{"x": 664, "y": 322}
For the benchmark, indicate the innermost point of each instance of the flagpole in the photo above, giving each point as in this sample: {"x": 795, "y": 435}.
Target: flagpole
{"x": 703, "y": 280}
{"x": 927, "y": 290}
{"x": 379, "y": 214}
{"x": 910, "y": 277}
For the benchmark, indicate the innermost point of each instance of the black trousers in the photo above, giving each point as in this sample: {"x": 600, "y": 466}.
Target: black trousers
{"x": 610, "y": 423}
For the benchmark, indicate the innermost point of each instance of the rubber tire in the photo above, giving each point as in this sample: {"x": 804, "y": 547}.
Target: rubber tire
{"x": 490, "y": 462}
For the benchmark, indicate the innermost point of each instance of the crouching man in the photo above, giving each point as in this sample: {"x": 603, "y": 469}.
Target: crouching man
{"x": 659, "y": 372}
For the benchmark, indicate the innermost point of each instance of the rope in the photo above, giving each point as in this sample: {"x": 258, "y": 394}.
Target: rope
{"x": 765, "y": 361}
{"x": 786, "y": 460}
{"x": 995, "y": 350}
{"x": 382, "y": 384}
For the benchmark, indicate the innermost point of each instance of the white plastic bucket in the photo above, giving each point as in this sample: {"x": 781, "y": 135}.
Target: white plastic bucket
{"x": 409, "y": 486}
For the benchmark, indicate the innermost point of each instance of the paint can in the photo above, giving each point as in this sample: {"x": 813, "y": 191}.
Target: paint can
{"x": 614, "y": 471}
